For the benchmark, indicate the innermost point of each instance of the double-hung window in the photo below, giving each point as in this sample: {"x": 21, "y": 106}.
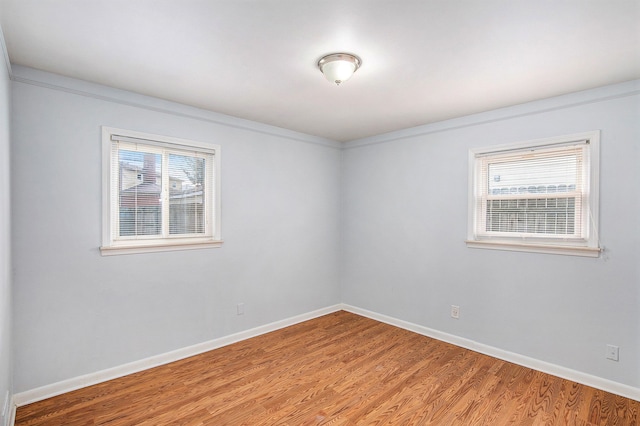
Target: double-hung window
{"x": 159, "y": 193}
{"x": 539, "y": 196}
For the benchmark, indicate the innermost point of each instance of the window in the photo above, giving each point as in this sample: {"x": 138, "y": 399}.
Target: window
{"x": 539, "y": 196}
{"x": 159, "y": 193}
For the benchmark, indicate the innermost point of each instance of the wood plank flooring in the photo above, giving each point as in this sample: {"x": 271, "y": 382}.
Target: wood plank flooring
{"x": 339, "y": 369}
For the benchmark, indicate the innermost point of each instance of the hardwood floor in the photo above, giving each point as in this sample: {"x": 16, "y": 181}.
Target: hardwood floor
{"x": 340, "y": 369}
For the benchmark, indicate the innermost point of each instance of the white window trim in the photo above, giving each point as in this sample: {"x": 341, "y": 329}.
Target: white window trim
{"x": 588, "y": 248}
{"x": 115, "y": 247}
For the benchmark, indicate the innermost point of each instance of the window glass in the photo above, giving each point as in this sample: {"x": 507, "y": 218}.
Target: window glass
{"x": 186, "y": 201}
{"x": 160, "y": 193}
{"x": 534, "y": 194}
{"x": 140, "y": 175}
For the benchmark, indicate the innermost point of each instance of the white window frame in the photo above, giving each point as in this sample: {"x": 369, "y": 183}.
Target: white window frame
{"x": 586, "y": 245}
{"x": 113, "y": 244}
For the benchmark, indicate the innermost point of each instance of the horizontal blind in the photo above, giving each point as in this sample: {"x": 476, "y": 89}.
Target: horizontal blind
{"x": 136, "y": 192}
{"x": 535, "y": 193}
{"x": 187, "y": 194}
{"x": 158, "y": 192}
{"x": 200, "y": 148}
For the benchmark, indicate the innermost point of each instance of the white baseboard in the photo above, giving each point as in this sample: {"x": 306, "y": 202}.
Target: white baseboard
{"x": 11, "y": 418}
{"x": 525, "y": 361}
{"x": 44, "y": 392}
{"x": 41, "y": 393}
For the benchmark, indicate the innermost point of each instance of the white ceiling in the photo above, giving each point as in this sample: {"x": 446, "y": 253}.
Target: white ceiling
{"x": 423, "y": 60}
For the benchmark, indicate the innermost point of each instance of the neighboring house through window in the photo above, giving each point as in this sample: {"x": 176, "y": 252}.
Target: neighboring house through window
{"x": 160, "y": 193}
{"x": 539, "y": 196}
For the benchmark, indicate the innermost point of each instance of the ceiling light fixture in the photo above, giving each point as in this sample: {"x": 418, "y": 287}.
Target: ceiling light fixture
{"x": 338, "y": 67}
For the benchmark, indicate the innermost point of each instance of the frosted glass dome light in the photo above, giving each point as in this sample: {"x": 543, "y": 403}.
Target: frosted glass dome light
{"x": 339, "y": 67}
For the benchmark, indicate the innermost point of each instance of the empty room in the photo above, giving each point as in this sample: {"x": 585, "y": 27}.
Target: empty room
{"x": 289, "y": 212}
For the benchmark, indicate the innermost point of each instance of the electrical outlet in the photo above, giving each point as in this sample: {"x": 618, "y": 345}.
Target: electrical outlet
{"x": 613, "y": 352}
{"x": 240, "y": 308}
{"x": 455, "y": 311}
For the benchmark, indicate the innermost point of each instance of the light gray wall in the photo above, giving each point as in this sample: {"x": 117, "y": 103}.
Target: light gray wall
{"x": 393, "y": 242}
{"x": 405, "y": 222}
{"x": 77, "y": 312}
{"x": 5, "y": 233}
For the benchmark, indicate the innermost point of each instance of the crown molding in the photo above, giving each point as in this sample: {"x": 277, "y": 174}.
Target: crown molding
{"x": 34, "y": 77}
{"x": 571, "y": 100}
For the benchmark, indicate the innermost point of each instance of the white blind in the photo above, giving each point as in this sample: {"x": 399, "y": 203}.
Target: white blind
{"x": 187, "y": 189}
{"x": 160, "y": 192}
{"x": 534, "y": 193}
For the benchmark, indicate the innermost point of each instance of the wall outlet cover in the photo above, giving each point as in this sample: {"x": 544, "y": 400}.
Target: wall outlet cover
{"x": 613, "y": 352}
{"x": 455, "y": 311}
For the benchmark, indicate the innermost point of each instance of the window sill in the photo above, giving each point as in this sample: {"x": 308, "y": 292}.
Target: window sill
{"x": 536, "y": 248}
{"x": 155, "y": 248}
